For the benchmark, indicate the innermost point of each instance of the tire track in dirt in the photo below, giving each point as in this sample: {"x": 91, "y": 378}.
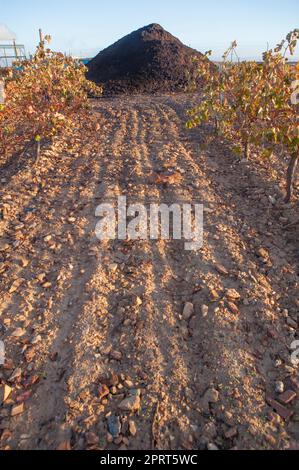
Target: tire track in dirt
{"x": 215, "y": 337}
{"x": 181, "y": 375}
{"x": 231, "y": 247}
{"x": 157, "y": 326}
{"x": 172, "y": 425}
{"x": 214, "y": 329}
{"x": 47, "y": 409}
{"x": 92, "y": 328}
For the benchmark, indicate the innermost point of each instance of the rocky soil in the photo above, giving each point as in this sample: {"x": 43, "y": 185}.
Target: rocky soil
{"x": 142, "y": 344}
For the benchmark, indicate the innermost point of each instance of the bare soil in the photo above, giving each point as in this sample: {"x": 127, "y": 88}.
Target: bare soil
{"x": 87, "y": 324}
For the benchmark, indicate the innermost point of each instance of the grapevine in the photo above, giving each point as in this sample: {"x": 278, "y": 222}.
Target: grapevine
{"x": 251, "y": 103}
{"x": 44, "y": 97}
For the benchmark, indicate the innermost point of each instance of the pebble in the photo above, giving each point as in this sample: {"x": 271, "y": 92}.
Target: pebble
{"x": 132, "y": 404}
{"x": 113, "y": 267}
{"x": 232, "y": 294}
{"x": 17, "y": 409}
{"x": 112, "y": 380}
{"x": 279, "y": 387}
{"x": 211, "y": 396}
{"x": 116, "y": 355}
{"x": 36, "y": 339}
{"x": 114, "y": 426}
{"x": 287, "y": 397}
{"x": 214, "y": 295}
{"x": 128, "y": 384}
{"x": 4, "y": 246}
{"x": 103, "y": 391}
{"x": 5, "y": 392}
{"x": 231, "y": 433}
{"x": 18, "y": 333}
{"x": 233, "y": 308}
{"x": 184, "y": 332}
{"x": 263, "y": 253}
{"x": 205, "y": 310}
{"x": 189, "y": 394}
{"x": 132, "y": 428}
{"x": 15, "y": 285}
{"x": 188, "y": 311}
{"x": 228, "y": 418}
{"x": 15, "y": 375}
{"x": 283, "y": 412}
{"x": 221, "y": 269}
{"x": 209, "y": 431}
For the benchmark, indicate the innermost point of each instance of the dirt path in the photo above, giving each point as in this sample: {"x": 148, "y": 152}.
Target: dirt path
{"x": 88, "y": 324}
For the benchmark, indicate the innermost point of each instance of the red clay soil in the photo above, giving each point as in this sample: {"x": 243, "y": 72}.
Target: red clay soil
{"x": 149, "y": 60}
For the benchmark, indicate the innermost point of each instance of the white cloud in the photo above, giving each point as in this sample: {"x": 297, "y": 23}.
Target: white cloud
{"x": 6, "y": 34}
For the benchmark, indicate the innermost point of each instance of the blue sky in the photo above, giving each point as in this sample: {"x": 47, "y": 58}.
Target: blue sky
{"x": 87, "y": 26}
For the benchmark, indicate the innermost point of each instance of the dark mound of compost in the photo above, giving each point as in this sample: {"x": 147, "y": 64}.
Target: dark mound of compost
{"x": 149, "y": 60}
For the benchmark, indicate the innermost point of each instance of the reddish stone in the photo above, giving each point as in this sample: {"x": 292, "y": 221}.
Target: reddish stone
{"x": 233, "y": 308}
{"x": 23, "y": 397}
{"x": 103, "y": 391}
{"x": 231, "y": 433}
{"x": 34, "y": 379}
{"x": 116, "y": 355}
{"x": 287, "y": 397}
{"x": 283, "y": 412}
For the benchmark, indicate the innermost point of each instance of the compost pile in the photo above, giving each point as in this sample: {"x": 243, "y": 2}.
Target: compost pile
{"x": 149, "y": 60}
